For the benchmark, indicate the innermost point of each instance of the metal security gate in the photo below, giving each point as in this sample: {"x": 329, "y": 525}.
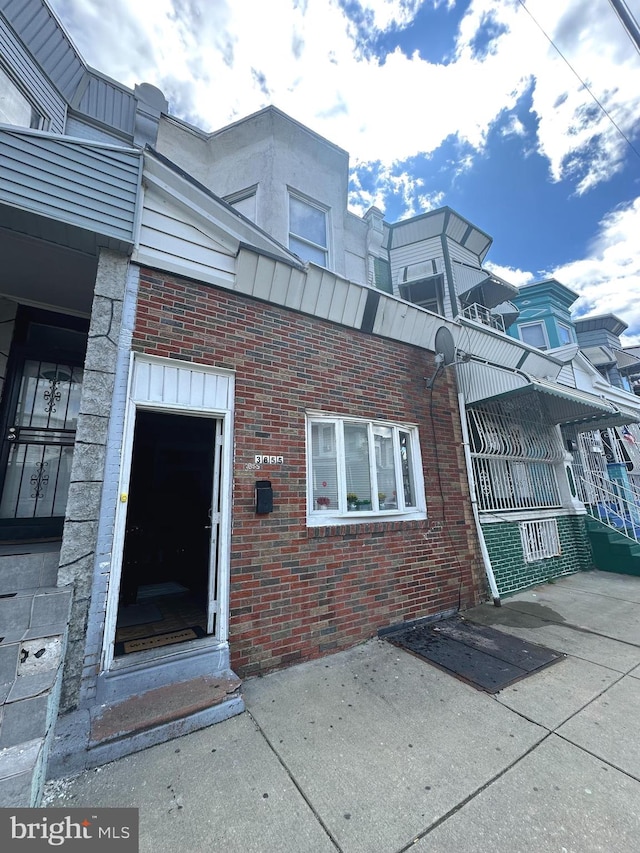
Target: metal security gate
{"x": 40, "y": 414}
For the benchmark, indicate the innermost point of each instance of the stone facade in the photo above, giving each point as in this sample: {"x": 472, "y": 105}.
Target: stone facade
{"x": 78, "y": 552}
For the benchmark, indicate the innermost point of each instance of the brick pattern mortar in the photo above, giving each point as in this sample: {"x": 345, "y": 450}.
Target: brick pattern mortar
{"x": 299, "y": 592}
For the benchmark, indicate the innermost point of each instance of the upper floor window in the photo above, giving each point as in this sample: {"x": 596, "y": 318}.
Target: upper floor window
{"x": 534, "y": 334}
{"x": 564, "y": 335}
{"x": 360, "y": 469}
{"x": 308, "y": 231}
{"x": 15, "y": 107}
{"x": 427, "y": 293}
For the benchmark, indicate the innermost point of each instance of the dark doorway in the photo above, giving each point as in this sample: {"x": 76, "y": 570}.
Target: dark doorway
{"x": 165, "y": 571}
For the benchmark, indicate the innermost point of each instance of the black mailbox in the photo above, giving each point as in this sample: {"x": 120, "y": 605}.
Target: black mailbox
{"x": 264, "y": 497}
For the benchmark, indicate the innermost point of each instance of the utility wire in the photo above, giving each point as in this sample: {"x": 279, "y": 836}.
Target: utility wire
{"x": 582, "y": 82}
{"x": 628, "y": 21}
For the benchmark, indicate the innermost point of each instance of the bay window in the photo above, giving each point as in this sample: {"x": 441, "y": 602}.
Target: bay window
{"x": 360, "y": 468}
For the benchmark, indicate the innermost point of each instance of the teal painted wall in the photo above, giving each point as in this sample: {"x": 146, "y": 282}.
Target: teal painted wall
{"x": 511, "y": 571}
{"x": 548, "y": 302}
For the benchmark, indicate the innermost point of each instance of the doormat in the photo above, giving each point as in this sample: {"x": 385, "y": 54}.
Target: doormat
{"x": 156, "y": 641}
{"x": 138, "y": 614}
{"x": 154, "y": 590}
{"x": 486, "y": 659}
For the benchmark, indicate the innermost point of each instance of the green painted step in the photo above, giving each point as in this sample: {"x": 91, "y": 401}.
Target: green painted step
{"x": 612, "y": 551}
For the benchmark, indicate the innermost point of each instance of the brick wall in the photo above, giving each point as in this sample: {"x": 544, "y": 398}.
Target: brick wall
{"x": 298, "y": 592}
{"x": 511, "y": 571}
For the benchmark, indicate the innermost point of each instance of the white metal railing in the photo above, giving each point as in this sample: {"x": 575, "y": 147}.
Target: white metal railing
{"x": 612, "y": 504}
{"x": 495, "y": 432}
{"x": 482, "y": 315}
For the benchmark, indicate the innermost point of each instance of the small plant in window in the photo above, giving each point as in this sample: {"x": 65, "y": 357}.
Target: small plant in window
{"x": 381, "y": 498}
{"x": 323, "y": 502}
{"x": 352, "y": 500}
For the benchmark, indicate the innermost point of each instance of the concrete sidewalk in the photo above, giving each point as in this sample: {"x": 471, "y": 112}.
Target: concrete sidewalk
{"x": 374, "y": 751}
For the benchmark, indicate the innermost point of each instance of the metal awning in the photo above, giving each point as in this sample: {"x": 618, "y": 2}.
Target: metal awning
{"x": 491, "y": 291}
{"x": 508, "y": 311}
{"x": 569, "y": 406}
{"x": 602, "y": 356}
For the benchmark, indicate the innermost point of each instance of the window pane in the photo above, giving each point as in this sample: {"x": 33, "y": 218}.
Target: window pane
{"x": 356, "y": 453}
{"x": 533, "y": 335}
{"x": 307, "y": 252}
{"x": 564, "y": 334}
{"x": 406, "y": 461}
{"x": 324, "y": 466}
{"x": 307, "y": 221}
{"x": 385, "y": 467}
{"x": 14, "y": 107}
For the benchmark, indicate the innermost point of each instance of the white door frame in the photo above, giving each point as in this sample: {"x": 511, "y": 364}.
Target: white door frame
{"x": 220, "y": 551}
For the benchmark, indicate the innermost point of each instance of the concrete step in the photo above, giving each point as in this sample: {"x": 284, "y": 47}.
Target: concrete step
{"x": 22, "y": 771}
{"x": 28, "y": 566}
{"x": 32, "y": 609}
{"x": 149, "y": 718}
{"x": 33, "y": 625}
{"x": 28, "y": 714}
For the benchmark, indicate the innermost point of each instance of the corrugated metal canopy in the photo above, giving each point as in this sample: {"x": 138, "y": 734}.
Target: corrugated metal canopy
{"x": 602, "y": 356}
{"x": 491, "y": 291}
{"x": 568, "y": 405}
{"x": 626, "y": 362}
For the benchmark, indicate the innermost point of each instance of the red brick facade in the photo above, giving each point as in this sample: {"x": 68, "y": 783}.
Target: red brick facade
{"x": 298, "y": 592}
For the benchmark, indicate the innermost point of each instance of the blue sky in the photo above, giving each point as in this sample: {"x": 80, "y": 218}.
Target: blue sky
{"x": 457, "y": 102}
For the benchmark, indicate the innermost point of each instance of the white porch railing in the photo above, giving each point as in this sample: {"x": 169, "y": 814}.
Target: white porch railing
{"x": 482, "y": 315}
{"x": 613, "y": 505}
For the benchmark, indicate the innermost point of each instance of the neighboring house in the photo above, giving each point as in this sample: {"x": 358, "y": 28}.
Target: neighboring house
{"x": 605, "y": 457}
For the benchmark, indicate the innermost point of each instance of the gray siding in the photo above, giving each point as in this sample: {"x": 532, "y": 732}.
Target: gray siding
{"x": 38, "y": 28}
{"x": 83, "y": 89}
{"x": 90, "y": 186}
{"x": 108, "y": 103}
{"x": 36, "y": 85}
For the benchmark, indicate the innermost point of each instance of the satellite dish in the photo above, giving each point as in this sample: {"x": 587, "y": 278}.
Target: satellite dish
{"x": 445, "y": 347}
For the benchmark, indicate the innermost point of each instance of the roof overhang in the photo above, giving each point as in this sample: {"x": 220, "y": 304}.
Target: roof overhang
{"x": 490, "y": 291}
{"x": 567, "y": 406}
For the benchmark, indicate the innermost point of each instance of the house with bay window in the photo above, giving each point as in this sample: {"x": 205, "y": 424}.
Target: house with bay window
{"x": 605, "y": 457}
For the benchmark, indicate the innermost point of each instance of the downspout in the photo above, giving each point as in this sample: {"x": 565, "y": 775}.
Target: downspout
{"x": 474, "y": 504}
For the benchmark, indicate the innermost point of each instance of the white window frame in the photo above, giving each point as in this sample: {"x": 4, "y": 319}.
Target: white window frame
{"x": 540, "y": 539}
{"x": 567, "y": 329}
{"x": 541, "y": 323}
{"x": 323, "y": 517}
{"x": 292, "y": 194}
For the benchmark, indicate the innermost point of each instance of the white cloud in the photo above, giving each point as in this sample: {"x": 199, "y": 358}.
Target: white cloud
{"x": 608, "y": 279}
{"x": 215, "y": 64}
{"x": 512, "y": 275}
